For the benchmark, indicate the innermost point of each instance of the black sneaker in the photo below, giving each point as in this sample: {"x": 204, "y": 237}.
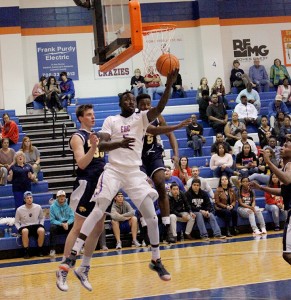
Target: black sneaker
{"x": 26, "y": 254}
{"x": 160, "y": 269}
{"x": 169, "y": 236}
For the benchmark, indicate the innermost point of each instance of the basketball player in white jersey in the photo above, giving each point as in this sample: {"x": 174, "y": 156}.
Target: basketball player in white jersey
{"x": 123, "y": 172}
{"x": 285, "y": 191}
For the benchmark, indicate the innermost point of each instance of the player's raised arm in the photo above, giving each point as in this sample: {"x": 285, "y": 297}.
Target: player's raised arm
{"x": 154, "y": 112}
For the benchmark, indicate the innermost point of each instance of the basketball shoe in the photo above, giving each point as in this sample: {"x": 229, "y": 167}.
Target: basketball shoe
{"x": 62, "y": 280}
{"x": 82, "y": 274}
{"x": 160, "y": 269}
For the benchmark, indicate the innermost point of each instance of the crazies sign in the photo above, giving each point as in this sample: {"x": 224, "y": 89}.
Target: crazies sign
{"x": 56, "y": 57}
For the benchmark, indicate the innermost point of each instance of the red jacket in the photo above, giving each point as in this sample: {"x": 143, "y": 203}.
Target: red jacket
{"x": 10, "y": 131}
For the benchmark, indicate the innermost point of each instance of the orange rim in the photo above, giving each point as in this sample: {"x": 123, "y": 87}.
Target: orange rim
{"x": 146, "y": 30}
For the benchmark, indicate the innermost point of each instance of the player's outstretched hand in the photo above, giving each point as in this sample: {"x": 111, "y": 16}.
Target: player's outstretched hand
{"x": 94, "y": 139}
{"x": 172, "y": 77}
{"x": 266, "y": 156}
{"x": 185, "y": 123}
{"x": 127, "y": 142}
{"x": 254, "y": 185}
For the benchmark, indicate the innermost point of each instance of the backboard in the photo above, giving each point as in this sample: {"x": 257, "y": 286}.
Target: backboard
{"x": 117, "y": 32}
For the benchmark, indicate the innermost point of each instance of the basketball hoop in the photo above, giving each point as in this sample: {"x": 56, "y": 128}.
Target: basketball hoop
{"x": 157, "y": 39}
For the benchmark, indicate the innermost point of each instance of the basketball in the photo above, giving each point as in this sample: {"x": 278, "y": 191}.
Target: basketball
{"x": 166, "y": 63}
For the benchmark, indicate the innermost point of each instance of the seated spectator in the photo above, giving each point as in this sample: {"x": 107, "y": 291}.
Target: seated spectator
{"x": 219, "y": 89}
{"x": 180, "y": 211}
{"x": 217, "y": 115}
{"x": 285, "y": 91}
{"x": 21, "y": 175}
{"x": 203, "y": 86}
{"x": 244, "y": 139}
{"x": 238, "y": 78}
{"x": 219, "y": 140}
{"x": 247, "y": 112}
{"x": 61, "y": 219}
{"x": 32, "y": 155}
{"x": 123, "y": 220}
{"x": 53, "y": 91}
{"x": 201, "y": 207}
{"x": 153, "y": 82}
{"x": 38, "y": 92}
{"x": 178, "y": 90}
{"x": 169, "y": 179}
{"x": 29, "y": 221}
{"x": 6, "y": 160}
{"x": 276, "y": 107}
{"x": 273, "y": 145}
{"x": 221, "y": 163}
{"x": 278, "y": 73}
{"x": 225, "y": 203}
{"x": 265, "y": 130}
{"x": 252, "y": 95}
{"x": 195, "y": 138}
{"x": 67, "y": 89}
{"x": 233, "y": 129}
{"x": 279, "y": 122}
{"x": 9, "y": 130}
{"x": 137, "y": 83}
{"x": 247, "y": 207}
{"x": 285, "y": 131}
{"x": 246, "y": 161}
{"x": 204, "y": 184}
{"x": 203, "y": 105}
{"x": 183, "y": 171}
{"x": 259, "y": 76}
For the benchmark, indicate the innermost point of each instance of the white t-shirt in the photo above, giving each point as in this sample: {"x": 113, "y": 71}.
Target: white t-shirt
{"x": 134, "y": 126}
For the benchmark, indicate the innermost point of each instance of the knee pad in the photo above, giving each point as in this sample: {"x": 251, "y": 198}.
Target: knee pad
{"x": 153, "y": 221}
{"x": 287, "y": 257}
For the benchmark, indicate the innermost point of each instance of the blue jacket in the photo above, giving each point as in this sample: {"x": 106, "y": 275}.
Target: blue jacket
{"x": 67, "y": 88}
{"x": 60, "y": 213}
{"x": 273, "y": 111}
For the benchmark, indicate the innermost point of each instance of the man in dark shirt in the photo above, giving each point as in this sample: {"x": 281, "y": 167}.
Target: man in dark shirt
{"x": 203, "y": 104}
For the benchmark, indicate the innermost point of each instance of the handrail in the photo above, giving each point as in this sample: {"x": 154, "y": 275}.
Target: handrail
{"x": 54, "y": 115}
{"x": 64, "y": 134}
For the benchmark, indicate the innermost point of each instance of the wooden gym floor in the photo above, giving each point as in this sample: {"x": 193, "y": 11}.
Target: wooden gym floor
{"x": 238, "y": 268}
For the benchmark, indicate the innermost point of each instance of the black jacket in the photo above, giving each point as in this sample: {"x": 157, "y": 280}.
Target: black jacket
{"x": 177, "y": 206}
{"x": 198, "y": 201}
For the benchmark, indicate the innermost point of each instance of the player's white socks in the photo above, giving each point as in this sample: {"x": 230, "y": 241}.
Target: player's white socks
{"x": 86, "y": 261}
{"x": 166, "y": 220}
{"x": 155, "y": 253}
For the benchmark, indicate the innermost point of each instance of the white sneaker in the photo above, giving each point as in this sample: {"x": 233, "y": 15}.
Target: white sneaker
{"x": 257, "y": 232}
{"x": 104, "y": 248}
{"x": 264, "y": 231}
{"x": 118, "y": 245}
{"x": 135, "y": 244}
{"x": 82, "y": 275}
{"x": 52, "y": 253}
{"x": 62, "y": 280}
{"x": 143, "y": 244}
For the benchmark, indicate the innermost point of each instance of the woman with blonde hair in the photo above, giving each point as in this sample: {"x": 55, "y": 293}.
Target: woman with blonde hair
{"x": 219, "y": 89}
{"x": 202, "y": 87}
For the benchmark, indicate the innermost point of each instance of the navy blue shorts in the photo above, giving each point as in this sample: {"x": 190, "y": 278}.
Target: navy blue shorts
{"x": 152, "y": 163}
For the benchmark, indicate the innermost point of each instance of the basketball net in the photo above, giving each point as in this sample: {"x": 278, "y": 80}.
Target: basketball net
{"x": 157, "y": 39}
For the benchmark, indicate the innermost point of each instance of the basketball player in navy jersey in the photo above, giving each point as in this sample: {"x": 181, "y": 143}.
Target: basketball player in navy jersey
{"x": 90, "y": 160}
{"x": 123, "y": 172}
{"x": 152, "y": 157}
{"x": 285, "y": 191}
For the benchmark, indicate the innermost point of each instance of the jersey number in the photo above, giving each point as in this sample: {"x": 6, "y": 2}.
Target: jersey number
{"x": 97, "y": 154}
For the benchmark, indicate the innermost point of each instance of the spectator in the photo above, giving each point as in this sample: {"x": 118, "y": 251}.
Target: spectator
{"x": 221, "y": 163}
{"x": 285, "y": 91}
{"x": 195, "y": 138}
{"x": 278, "y": 73}
{"x": 21, "y": 175}
{"x": 9, "y": 130}
{"x": 248, "y": 209}
{"x": 285, "y": 131}
{"x": 53, "y": 91}
{"x": 32, "y": 155}
{"x": 61, "y": 219}
{"x": 203, "y": 105}
{"x": 153, "y": 82}
{"x": 274, "y": 204}
{"x": 180, "y": 211}
{"x": 263, "y": 130}
{"x": 203, "y": 86}
{"x": 273, "y": 145}
{"x": 169, "y": 179}
{"x": 201, "y": 207}
{"x": 219, "y": 89}
{"x": 67, "y": 89}
{"x": 178, "y": 90}
{"x": 217, "y": 115}
{"x": 244, "y": 139}
{"x": 275, "y": 107}
{"x": 38, "y": 92}
{"x": 123, "y": 220}
{"x": 233, "y": 129}
{"x": 29, "y": 221}
{"x": 138, "y": 83}
{"x": 246, "y": 161}
{"x": 225, "y": 203}
{"x": 183, "y": 171}
{"x": 258, "y": 75}
{"x": 219, "y": 140}
{"x": 204, "y": 184}
{"x": 238, "y": 78}
{"x": 6, "y": 160}
{"x": 252, "y": 95}
{"x": 279, "y": 122}
{"x": 247, "y": 112}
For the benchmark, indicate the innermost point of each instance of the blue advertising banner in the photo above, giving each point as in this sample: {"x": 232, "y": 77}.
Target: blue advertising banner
{"x": 56, "y": 57}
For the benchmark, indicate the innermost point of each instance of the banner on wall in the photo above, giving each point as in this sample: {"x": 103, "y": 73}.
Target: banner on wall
{"x": 56, "y": 57}
{"x": 123, "y": 70}
{"x": 286, "y": 43}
